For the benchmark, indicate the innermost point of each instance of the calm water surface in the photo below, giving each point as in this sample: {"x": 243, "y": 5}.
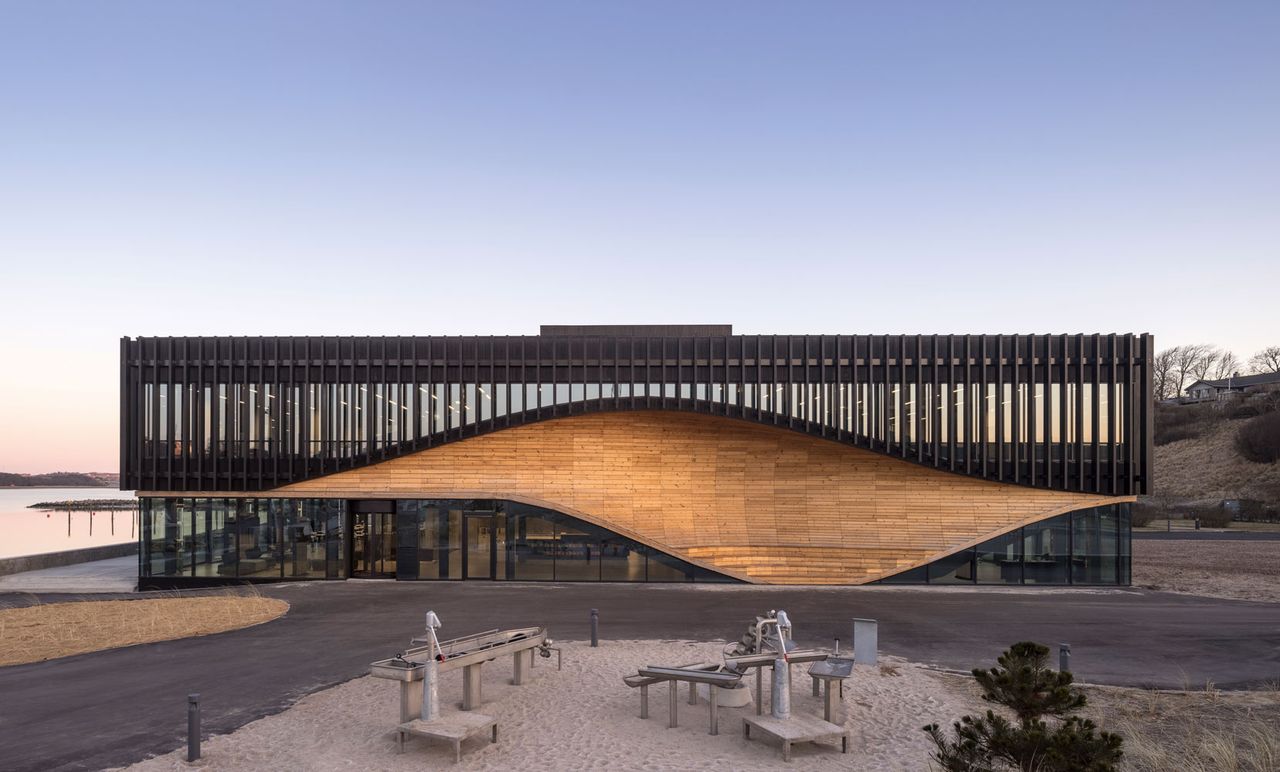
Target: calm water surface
{"x": 31, "y": 531}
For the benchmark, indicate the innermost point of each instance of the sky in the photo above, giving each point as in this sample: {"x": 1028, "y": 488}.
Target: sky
{"x": 292, "y": 168}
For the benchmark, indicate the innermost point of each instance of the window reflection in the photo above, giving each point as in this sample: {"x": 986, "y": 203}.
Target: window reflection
{"x": 1089, "y": 546}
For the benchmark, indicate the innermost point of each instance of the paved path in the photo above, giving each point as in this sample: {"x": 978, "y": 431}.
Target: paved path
{"x": 117, "y": 706}
{"x": 1210, "y": 535}
{"x": 113, "y": 575}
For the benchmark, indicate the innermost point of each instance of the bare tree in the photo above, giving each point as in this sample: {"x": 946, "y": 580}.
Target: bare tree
{"x": 1266, "y": 360}
{"x": 1163, "y": 374}
{"x": 1226, "y": 365}
{"x": 1190, "y": 363}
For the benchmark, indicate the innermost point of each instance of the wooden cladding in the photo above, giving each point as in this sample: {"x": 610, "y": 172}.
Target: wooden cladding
{"x": 1056, "y": 412}
{"x": 758, "y": 503}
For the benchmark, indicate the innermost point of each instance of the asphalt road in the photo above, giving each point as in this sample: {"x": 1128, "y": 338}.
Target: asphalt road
{"x": 115, "y": 707}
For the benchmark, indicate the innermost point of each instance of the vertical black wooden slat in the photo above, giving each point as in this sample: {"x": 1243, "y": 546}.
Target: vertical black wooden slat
{"x": 1079, "y": 413}
{"x": 1147, "y": 406}
{"x": 126, "y": 417}
{"x": 950, "y": 402}
{"x": 242, "y": 411}
{"x": 416, "y": 390}
{"x": 1064, "y": 375}
{"x": 935, "y": 404}
{"x": 759, "y": 379}
{"x": 277, "y": 410}
{"x": 369, "y": 406}
{"x": 1133, "y": 403}
{"x": 188, "y": 425}
{"x": 984, "y": 411}
{"x": 169, "y": 411}
{"x": 1032, "y": 427}
{"x": 968, "y": 404}
{"x": 1015, "y": 408}
{"x": 258, "y": 384}
{"x": 1113, "y": 413}
{"x": 855, "y": 401}
{"x": 1049, "y": 402}
{"x": 885, "y": 397}
{"x": 1095, "y": 482}
{"x": 807, "y": 395}
{"x": 839, "y": 395}
{"x": 918, "y": 423}
{"x": 999, "y": 408}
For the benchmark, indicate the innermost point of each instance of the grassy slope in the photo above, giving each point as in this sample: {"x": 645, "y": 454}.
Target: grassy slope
{"x": 1209, "y": 468}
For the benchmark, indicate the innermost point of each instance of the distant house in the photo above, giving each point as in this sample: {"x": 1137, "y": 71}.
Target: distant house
{"x": 1201, "y": 391}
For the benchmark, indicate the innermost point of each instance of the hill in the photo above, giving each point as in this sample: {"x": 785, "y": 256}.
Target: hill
{"x": 51, "y": 480}
{"x": 1201, "y": 463}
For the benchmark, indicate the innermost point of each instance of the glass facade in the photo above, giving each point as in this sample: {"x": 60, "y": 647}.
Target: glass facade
{"x": 202, "y": 540}
{"x": 1086, "y": 547}
{"x": 212, "y": 539}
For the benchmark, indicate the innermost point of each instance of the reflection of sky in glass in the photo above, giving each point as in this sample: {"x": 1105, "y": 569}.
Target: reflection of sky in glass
{"x": 205, "y": 169}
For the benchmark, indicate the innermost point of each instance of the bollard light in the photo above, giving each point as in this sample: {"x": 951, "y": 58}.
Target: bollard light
{"x": 595, "y": 628}
{"x": 1064, "y": 657}
{"x": 193, "y": 727}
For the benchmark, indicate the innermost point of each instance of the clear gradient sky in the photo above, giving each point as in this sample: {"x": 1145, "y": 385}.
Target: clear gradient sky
{"x": 184, "y": 168}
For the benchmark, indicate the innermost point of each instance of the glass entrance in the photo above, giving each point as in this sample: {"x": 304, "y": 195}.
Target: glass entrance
{"x": 373, "y": 545}
{"x": 485, "y": 542}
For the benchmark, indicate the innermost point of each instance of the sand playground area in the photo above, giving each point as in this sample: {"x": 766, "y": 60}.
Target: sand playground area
{"x": 584, "y": 718}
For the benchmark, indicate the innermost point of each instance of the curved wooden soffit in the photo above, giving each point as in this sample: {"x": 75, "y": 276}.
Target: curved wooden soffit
{"x": 758, "y": 503}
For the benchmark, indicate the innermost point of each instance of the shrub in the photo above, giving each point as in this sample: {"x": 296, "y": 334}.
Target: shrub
{"x": 1213, "y": 517}
{"x": 1259, "y": 439}
{"x": 1141, "y": 514}
{"x": 1182, "y": 422}
{"x": 1028, "y": 689}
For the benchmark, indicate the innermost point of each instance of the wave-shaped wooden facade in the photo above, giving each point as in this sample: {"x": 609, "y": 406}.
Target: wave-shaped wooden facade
{"x": 752, "y": 502}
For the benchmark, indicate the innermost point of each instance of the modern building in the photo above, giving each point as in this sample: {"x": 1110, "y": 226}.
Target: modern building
{"x": 652, "y": 453}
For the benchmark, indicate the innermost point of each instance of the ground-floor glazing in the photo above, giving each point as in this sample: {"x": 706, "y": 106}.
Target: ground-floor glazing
{"x": 209, "y": 540}
{"x": 1086, "y": 547}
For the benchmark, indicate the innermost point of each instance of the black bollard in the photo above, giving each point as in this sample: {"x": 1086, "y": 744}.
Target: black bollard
{"x": 1064, "y": 657}
{"x": 595, "y": 628}
{"x": 193, "y": 727}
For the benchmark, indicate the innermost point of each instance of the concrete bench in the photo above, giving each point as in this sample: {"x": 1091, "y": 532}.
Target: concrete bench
{"x": 453, "y": 728}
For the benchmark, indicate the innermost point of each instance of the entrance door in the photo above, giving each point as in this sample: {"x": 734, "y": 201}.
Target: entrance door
{"x": 373, "y": 545}
{"x": 484, "y": 545}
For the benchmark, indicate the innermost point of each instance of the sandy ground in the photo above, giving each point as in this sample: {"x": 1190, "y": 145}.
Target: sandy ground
{"x": 585, "y": 718}
{"x": 1244, "y": 570}
{"x": 49, "y": 631}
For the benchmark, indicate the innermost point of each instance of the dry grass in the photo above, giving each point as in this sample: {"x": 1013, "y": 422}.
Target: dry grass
{"x": 1209, "y": 468}
{"x": 1187, "y": 730}
{"x": 1243, "y": 570}
{"x": 42, "y": 632}
{"x": 1196, "y": 731}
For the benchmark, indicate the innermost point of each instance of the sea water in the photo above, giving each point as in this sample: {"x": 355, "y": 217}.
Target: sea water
{"x": 26, "y": 531}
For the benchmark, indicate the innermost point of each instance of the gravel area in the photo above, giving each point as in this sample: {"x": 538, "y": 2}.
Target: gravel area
{"x": 1241, "y": 570}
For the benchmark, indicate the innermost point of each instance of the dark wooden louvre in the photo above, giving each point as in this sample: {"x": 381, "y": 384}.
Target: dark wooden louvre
{"x": 281, "y": 410}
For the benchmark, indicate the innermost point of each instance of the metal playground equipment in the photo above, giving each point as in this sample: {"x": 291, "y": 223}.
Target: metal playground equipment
{"x": 766, "y": 643}
{"x": 418, "y": 670}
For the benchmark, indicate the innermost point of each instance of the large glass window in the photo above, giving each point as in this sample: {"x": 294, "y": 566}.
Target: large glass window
{"x": 276, "y": 538}
{"x": 1094, "y": 552}
{"x": 953, "y": 569}
{"x": 999, "y": 560}
{"x": 1089, "y": 546}
{"x": 531, "y": 543}
{"x": 1046, "y": 551}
